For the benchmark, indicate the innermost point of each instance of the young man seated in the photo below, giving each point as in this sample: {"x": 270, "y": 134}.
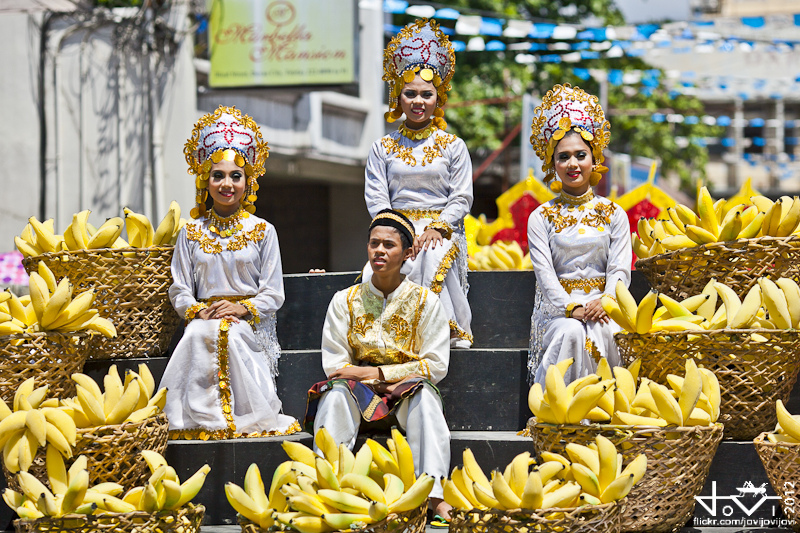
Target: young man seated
{"x": 385, "y": 344}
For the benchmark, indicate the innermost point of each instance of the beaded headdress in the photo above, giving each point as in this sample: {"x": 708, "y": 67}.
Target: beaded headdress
{"x": 420, "y": 48}
{"x": 566, "y": 108}
{"x": 225, "y": 134}
{"x": 394, "y": 219}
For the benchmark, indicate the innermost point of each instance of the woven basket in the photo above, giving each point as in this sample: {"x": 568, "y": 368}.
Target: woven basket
{"x": 184, "y": 520}
{"x": 587, "y": 519}
{"x": 752, "y": 375}
{"x": 412, "y": 521}
{"x": 782, "y": 463}
{"x": 131, "y": 285}
{"x": 678, "y": 461}
{"x": 738, "y": 264}
{"x": 112, "y": 452}
{"x": 50, "y": 357}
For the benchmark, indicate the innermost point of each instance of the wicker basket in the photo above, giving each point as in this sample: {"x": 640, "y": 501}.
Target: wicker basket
{"x": 50, "y": 357}
{"x": 752, "y": 375}
{"x": 412, "y": 521}
{"x": 738, "y": 264}
{"x": 782, "y": 463}
{"x": 131, "y": 285}
{"x": 112, "y": 451}
{"x": 587, "y": 519}
{"x": 678, "y": 461}
{"x": 184, "y": 520}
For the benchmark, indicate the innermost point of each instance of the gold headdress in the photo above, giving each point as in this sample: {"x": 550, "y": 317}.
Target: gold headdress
{"x": 566, "y": 108}
{"x": 420, "y": 47}
{"x": 225, "y": 134}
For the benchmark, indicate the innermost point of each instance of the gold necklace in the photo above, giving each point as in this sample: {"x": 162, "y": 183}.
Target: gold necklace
{"x": 416, "y": 135}
{"x": 567, "y": 198}
{"x": 226, "y": 226}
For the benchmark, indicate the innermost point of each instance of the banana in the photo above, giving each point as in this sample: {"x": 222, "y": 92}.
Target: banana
{"x": 242, "y": 503}
{"x": 644, "y": 232}
{"x": 672, "y": 212}
{"x": 346, "y": 521}
{"x": 383, "y": 458}
{"x": 732, "y": 226}
{"x": 365, "y": 485}
{"x": 405, "y": 459}
{"x": 532, "y": 492}
{"x": 519, "y": 472}
{"x": 788, "y": 424}
{"x": 776, "y": 304}
{"x": 92, "y": 408}
{"x": 584, "y": 401}
{"x": 57, "y": 302}
{"x": 747, "y": 310}
{"x": 584, "y": 455}
{"x": 414, "y": 496}
{"x": 789, "y": 222}
{"x": 486, "y": 497}
{"x": 46, "y": 240}
{"x": 326, "y": 477}
{"x": 39, "y": 292}
{"x": 563, "y": 496}
{"x": 299, "y": 452}
{"x": 473, "y": 469}
{"x": 253, "y": 486}
{"x": 586, "y": 479}
{"x": 691, "y": 390}
{"x": 639, "y": 249}
{"x": 700, "y": 235}
{"x": 27, "y": 249}
{"x": 791, "y": 291}
{"x": 327, "y": 446}
{"x": 627, "y": 303}
{"x": 729, "y": 298}
{"x": 126, "y": 404}
{"x": 668, "y": 407}
{"x": 343, "y": 501}
{"x": 101, "y": 325}
{"x": 393, "y": 488}
{"x": 362, "y": 461}
{"x": 172, "y": 494}
{"x": 611, "y": 307}
{"x": 56, "y": 471}
{"x": 503, "y": 492}
{"x": 753, "y": 228}
{"x": 677, "y": 242}
{"x": 192, "y": 486}
{"x": 143, "y": 232}
{"x": 618, "y": 489}
{"x": 106, "y": 234}
{"x": 644, "y": 312}
{"x": 165, "y": 229}
{"x": 11, "y": 424}
{"x": 707, "y": 216}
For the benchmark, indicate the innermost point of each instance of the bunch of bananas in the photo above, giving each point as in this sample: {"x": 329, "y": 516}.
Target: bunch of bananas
{"x": 71, "y": 493}
{"x": 40, "y": 237}
{"x": 767, "y": 305}
{"x": 716, "y": 222}
{"x": 500, "y": 255}
{"x": 338, "y": 491}
{"x": 788, "y": 428}
{"x": 613, "y": 397}
{"x": 51, "y": 306}
{"x": 35, "y": 421}
{"x": 133, "y": 400}
{"x": 591, "y": 476}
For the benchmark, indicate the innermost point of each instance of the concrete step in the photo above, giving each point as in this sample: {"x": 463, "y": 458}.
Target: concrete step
{"x": 501, "y": 304}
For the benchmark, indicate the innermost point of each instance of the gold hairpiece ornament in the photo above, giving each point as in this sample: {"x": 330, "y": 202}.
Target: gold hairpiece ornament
{"x": 226, "y": 134}
{"x": 419, "y": 48}
{"x": 566, "y": 108}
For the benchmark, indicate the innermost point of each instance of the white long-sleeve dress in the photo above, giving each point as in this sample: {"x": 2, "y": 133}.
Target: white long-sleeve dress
{"x": 221, "y": 376}
{"x": 430, "y": 181}
{"x": 579, "y": 252}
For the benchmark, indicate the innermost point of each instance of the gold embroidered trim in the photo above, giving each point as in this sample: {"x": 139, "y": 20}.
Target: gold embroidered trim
{"x": 439, "y": 144}
{"x": 567, "y": 198}
{"x": 460, "y": 333}
{"x": 553, "y": 214}
{"x": 423, "y": 298}
{"x": 392, "y": 216}
{"x": 193, "y": 310}
{"x": 592, "y": 350}
{"x": 600, "y": 217}
{"x": 210, "y": 245}
{"x": 223, "y": 434}
{"x": 362, "y": 323}
{"x": 253, "y": 311}
{"x": 373, "y": 404}
{"x": 444, "y": 267}
{"x": 586, "y": 284}
{"x": 418, "y": 214}
{"x": 224, "y": 376}
{"x": 441, "y": 224}
{"x": 403, "y": 152}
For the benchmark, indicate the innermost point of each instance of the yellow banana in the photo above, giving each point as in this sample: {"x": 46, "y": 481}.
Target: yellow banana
{"x": 637, "y": 467}
{"x": 644, "y": 312}
{"x": 415, "y": 496}
{"x": 618, "y": 489}
{"x": 79, "y": 305}
{"x": 453, "y": 496}
{"x": 791, "y": 291}
{"x": 729, "y": 298}
{"x": 556, "y": 396}
{"x": 106, "y": 234}
{"x": 563, "y": 496}
{"x": 486, "y": 497}
{"x": 788, "y": 424}
{"x": 503, "y": 492}
{"x": 644, "y": 232}
{"x": 126, "y": 404}
{"x": 789, "y": 222}
{"x": 668, "y": 407}
{"x": 691, "y": 390}
{"x": 677, "y": 242}
{"x": 75, "y": 492}
{"x": 192, "y": 486}
{"x": 586, "y": 479}
{"x": 39, "y": 292}
{"x": 707, "y": 215}
{"x": 57, "y": 302}
{"x": 584, "y": 401}
{"x": 344, "y": 501}
{"x": 383, "y": 458}
{"x": 143, "y": 232}
{"x": 584, "y": 455}
{"x": 56, "y": 471}
{"x": 627, "y": 303}
{"x": 775, "y": 302}
{"x": 700, "y": 235}
{"x": 731, "y": 228}
{"x": 465, "y": 486}
{"x": 254, "y": 486}
{"x": 242, "y": 503}
{"x": 165, "y": 229}
{"x": 405, "y": 459}
{"x": 46, "y": 240}
{"x": 609, "y": 458}
{"x": 473, "y": 469}
{"x": 612, "y": 309}
{"x": 27, "y": 249}
{"x": 533, "y": 492}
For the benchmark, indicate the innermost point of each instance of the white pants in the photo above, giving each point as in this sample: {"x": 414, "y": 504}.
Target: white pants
{"x": 421, "y": 417}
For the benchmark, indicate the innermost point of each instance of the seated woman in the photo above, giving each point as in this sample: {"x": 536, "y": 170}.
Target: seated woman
{"x": 579, "y": 243}
{"x": 385, "y": 344}
{"x": 228, "y": 284}
{"x": 423, "y": 172}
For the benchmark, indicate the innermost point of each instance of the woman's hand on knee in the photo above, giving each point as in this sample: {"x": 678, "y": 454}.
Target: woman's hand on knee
{"x": 430, "y": 237}
{"x": 593, "y": 310}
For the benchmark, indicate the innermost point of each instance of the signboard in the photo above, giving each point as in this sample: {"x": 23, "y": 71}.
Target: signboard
{"x": 282, "y": 42}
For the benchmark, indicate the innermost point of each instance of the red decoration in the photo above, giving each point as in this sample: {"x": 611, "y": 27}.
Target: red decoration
{"x": 645, "y": 209}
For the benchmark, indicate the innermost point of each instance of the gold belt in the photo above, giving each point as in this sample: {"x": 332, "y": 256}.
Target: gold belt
{"x": 228, "y": 298}
{"x": 417, "y": 214}
{"x": 586, "y": 284}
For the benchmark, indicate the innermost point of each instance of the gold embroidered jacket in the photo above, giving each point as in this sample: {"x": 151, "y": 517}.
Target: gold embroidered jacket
{"x": 405, "y": 333}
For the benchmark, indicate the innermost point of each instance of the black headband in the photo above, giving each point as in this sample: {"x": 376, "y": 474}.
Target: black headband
{"x": 396, "y": 220}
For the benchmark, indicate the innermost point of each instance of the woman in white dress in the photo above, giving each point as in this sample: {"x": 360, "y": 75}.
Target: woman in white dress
{"x": 228, "y": 284}
{"x": 579, "y": 243}
{"x": 423, "y": 172}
